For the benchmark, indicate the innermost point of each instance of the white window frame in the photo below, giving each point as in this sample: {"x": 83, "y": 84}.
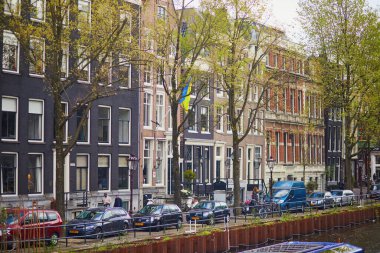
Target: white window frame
{"x": 42, "y": 124}
{"x": 161, "y": 107}
{"x": 250, "y": 162}
{"x": 194, "y": 129}
{"x": 230, "y": 157}
{"x": 206, "y": 131}
{"x": 124, "y": 59}
{"x": 170, "y": 119}
{"x": 83, "y": 62}
{"x": 89, "y": 9}
{"x": 88, "y": 170}
{"x": 42, "y": 174}
{"x": 219, "y": 86}
{"x": 127, "y": 15}
{"x": 109, "y": 125}
{"x": 159, "y": 14}
{"x": 43, "y": 10}
{"x": 129, "y": 172}
{"x": 109, "y": 172}
{"x": 261, "y": 156}
{"x": 163, "y": 162}
{"x": 38, "y": 40}
{"x": 12, "y": 37}
{"x": 129, "y": 127}
{"x": 240, "y": 155}
{"x": 65, "y": 52}
{"x": 148, "y": 66}
{"x": 88, "y": 128}
{"x": 15, "y": 7}
{"x": 228, "y": 123}
{"x": 16, "y": 176}
{"x": 150, "y": 157}
{"x": 148, "y": 125}
{"x": 219, "y": 119}
{"x": 16, "y": 125}
{"x": 219, "y": 158}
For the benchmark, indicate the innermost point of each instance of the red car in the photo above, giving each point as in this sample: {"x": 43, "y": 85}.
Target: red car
{"x": 31, "y": 225}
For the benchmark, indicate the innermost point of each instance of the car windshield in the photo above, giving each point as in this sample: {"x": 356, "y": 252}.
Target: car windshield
{"x": 374, "y": 188}
{"x": 90, "y": 215}
{"x": 151, "y": 209}
{"x": 12, "y": 218}
{"x": 316, "y": 195}
{"x": 280, "y": 193}
{"x": 204, "y": 205}
{"x": 337, "y": 193}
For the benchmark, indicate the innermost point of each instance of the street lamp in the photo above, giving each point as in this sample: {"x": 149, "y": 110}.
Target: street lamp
{"x": 257, "y": 166}
{"x": 270, "y": 163}
{"x": 360, "y": 164}
{"x": 134, "y": 161}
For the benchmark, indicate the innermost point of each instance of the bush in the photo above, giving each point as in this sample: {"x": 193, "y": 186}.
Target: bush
{"x": 311, "y": 186}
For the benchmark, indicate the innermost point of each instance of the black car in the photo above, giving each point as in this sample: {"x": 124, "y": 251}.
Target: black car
{"x": 209, "y": 212}
{"x": 320, "y": 200}
{"x": 158, "y": 216}
{"x": 374, "y": 191}
{"x": 98, "y": 222}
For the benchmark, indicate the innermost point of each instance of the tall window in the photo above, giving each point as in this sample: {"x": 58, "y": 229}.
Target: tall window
{"x": 161, "y": 12}
{"x": 11, "y": 52}
{"x": 105, "y": 70}
{"x": 229, "y": 162}
{"x": 205, "y": 121}
{"x": 192, "y": 118}
{"x": 9, "y": 118}
{"x": 34, "y": 175}
{"x": 257, "y": 155}
{"x": 277, "y": 146}
{"x": 103, "y": 172}
{"x": 218, "y": 162}
{"x": 160, "y": 76}
{"x": 123, "y": 172}
{"x": 104, "y": 124}
{"x": 124, "y": 72}
{"x": 148, "y": 74}
{"x": 159, "y": 162}
{"x": 124, "y": 125}
{"x": 160, "y": 107}
{"x": 8, "y": 165}
{"x": 84, "y": 13}
{"x": 219, "y": 118}
{"x": 35, "y": 120}
{"x": 147, "y": 109}
{"x": 275, "y": 60}
{"x": 147, "y": 169}
{"x": 299, "y": 101}
{"x": 250, "y": 164}
{"x": 84, "y": 129}
{"x": 12, "y": 7}
{"x": 38, "y": 10}
{"x": 170, "y": 119}
{"x": 37, "y": 55}
{"x": 65, "y": 61}
{"x": 228, "y": 121}
{"x": 81, "y": 173}
{"x": 285, "y": 147}
{"x": 83, "y": 65}
{"x": 219, "y": 85}
{"x": 292, "y": 93}
{"x": 283, "y": 62}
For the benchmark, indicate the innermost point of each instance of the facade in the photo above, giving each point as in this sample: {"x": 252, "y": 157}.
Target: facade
{"x": 98, "y": 163}
{"x": 294, "y": 121}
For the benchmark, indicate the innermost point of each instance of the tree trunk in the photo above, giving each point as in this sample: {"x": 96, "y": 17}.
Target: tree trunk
{"x": 175, "y": 137}
{"x": 236, "y": 169}
{"x": 348, "y": 152}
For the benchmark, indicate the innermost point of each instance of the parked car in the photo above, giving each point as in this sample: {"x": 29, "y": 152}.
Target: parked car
{"x": 343, "y": 197}
{"x": 209, "y": 212}
{"x": 289, "y": 195}
{"x": 374, "y": 191}
{"x": 320, "y": 200}
{"x": 98, "y": 222}
{"x": 31, "y": 225}
{"x": 158, "y": 216}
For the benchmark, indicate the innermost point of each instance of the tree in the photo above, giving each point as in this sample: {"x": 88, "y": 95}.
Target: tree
{"x": 76, "y": 48}
{"x": 180, "y": 37}
{"x": 340, "y": 33}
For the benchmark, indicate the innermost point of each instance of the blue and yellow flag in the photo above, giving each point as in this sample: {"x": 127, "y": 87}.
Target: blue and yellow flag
{"x": 185, "y": 96}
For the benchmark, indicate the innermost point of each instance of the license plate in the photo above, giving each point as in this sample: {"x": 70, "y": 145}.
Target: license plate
{"x": 74, "y": 231}
{"x": 195, "y": 218}
{"x": 139, "y": 224}
{"x": 312, "y": 204}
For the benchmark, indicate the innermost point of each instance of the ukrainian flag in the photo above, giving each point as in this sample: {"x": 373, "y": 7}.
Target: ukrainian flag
{"x": 185, "y": 96}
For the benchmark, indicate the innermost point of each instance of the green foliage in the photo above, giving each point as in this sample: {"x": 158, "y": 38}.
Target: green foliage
{"x": 189, "y": 175}
{"x": 311, "y": 186}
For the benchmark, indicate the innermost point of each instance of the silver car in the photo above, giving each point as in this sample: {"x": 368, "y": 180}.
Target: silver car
{"x": 343, "y": 197}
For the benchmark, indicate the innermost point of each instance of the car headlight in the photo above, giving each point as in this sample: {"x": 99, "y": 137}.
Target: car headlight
{"x": 89, "y": 227}
{"x": 280, "y": 201}
{"x": 205, "y": 214}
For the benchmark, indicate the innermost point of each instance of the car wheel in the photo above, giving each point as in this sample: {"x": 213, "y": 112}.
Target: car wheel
{"x": 99, "y": 233}
{"x": 125, "y": 228}
{"x": 53, "y": 241}
{"x": 211, "y": 220}
{"x": 263, "y": 213}
{"x": 179, "y": 224}
{"x": 13, "y": 244}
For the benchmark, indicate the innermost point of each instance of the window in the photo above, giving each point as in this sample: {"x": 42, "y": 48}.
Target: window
{"x": 255, "y": 93}
{"x": 219, "y": 85}
{"x": 124, "y": 72}
{"x": 192, "y": 118}
{"x": 160, "y": 76}
{"x": 84, "y": 131}
{"x": 37, "y": 12}
{"x": 205, "y": 121}
{"x": 161, "y": 13}
{"x": 159, "y": 161}
{"x": 219, "y": 118}
{"x": 104, "y": 70}
{"x": 84, "y": 13}
{"x": 37, "y": 54}
{"x": 292, "y": 92}
{"x": 283, "y": 62}
{"x": 275, "y": 60}
{"x": 124, "y": 125}
{"x": 12, "y": 7}
{"x": 147, "y": 109}
{"x": 83, "y": 65}
{"x": 205, "y": 92}
{"x": 11, "y": 52}
{"x": 299, "y": 67}
{"x": 81, "y": 173}
{"x": 103, "y": 172}
{"x": 35, "y": 120}
{"x": 125, "y": 17}
{"x": 104, "y": 124}
{"x": 8, "y": 166}
{"x": 299, "y": 102}
{"x": 9, "y": 118}
{"x": 229, "y": 129}
{"x": 160, "y": 110}
{"x": 284, "y": 98}
{"x": 257, "y": 155}
{"x": 277, "y": 146}
{"x": 285, "y": 147}
{"x": 170, "y": 119}
{"x": 123, "y": 172}
{"x": 147, "y": 169}
{"x": 34, "y": 173}
{"x": 250, "y": 173}
{"x": 229, "y": 162}
{"x": 147, "y": 74}
{"x": 65, "y": 61}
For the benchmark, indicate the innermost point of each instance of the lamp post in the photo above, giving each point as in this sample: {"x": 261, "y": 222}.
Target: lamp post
{"x": 270, "y": 163}
{"x": 133, "y": 166}
{"x": 257, "y": 166}
{"x": 360, "y": 165}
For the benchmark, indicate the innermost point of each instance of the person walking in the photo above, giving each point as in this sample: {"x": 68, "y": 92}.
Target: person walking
{"x": 118, "y": 202}
{"x": 106, "y": 200}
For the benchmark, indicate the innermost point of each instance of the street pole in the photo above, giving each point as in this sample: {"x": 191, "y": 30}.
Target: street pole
{"x": 271, "y": 184}
{"x": 360, "y": 164}
{"x": 133, "y": 162}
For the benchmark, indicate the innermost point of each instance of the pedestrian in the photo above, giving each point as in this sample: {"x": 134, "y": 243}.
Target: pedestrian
{"x": 118, "y": 202}
{"x": 255, "y": 194}
{"x": 106, "y": 200}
